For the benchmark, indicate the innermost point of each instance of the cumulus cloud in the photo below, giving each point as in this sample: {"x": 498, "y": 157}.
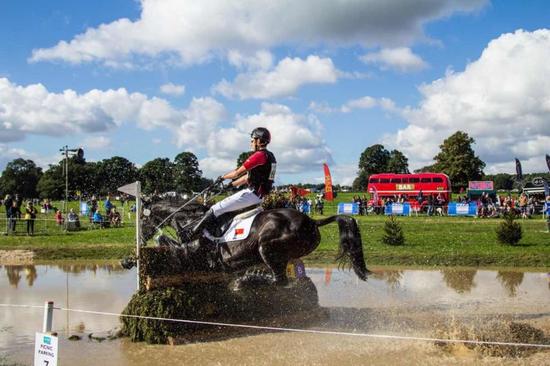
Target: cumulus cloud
{"x": 8, "y": 154}
{"x": 502, "y": 100}
{"x": 366, "y": 102}
{"x": 96, "y": 143}
{"x": 400, "y": 58}
{"x": 284, "y": 80}
{"x": 297, "y": 141}
{"x": 195, "y": 31}
{"x": 34, "y": 110}
{"x": 172, "y": 89}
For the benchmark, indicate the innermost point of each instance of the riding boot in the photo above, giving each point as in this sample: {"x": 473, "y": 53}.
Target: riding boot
{"x": 208, "y": 220}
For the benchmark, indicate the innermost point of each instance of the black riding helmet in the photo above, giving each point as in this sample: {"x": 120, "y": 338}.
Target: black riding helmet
{"x": 262, "y": 134}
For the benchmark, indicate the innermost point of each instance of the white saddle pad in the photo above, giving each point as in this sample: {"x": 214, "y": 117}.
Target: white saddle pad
{"x": 239, "y": 228}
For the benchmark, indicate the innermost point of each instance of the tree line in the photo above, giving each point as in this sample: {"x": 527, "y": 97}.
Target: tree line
{"x": 23, "y": 176}
{"x": 456, "y": 158}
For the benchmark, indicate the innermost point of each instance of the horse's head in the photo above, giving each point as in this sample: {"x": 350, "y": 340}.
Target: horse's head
{"x": 159, "y": 212}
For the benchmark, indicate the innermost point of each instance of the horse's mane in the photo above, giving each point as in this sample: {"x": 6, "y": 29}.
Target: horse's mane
{"x": 174, "y": 201}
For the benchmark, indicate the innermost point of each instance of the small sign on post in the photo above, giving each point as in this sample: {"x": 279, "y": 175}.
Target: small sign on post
{"x": 45, "y": 343}
{"x": 45, "y": 350}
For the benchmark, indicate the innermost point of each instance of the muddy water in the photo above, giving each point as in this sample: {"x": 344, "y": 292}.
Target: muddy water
{"x": 392, "y": 302}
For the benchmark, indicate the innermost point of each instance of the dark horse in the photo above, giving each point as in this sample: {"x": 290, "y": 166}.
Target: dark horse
{"x": 276, "y": 236}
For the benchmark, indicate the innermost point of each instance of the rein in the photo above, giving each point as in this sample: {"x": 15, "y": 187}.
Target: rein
{"x": 158, "y": 227}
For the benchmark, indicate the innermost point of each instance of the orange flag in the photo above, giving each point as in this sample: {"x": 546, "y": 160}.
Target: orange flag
{"x": 328, "y": 184}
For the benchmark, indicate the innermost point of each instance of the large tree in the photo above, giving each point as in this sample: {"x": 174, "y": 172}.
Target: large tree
{"x": 157, "y": 176}
{"x": 115, "y": 172}
{"x": 242, "y": 157}
{"x": 398, "y": 163}
{"x": 187, "y": 174}
{"x": 82, "y": 178}
{"x": 376, "y": 159}
{"x": 20, "y": 176}
{"x": 458, "y": 160}
{"x": 51, "y": 184}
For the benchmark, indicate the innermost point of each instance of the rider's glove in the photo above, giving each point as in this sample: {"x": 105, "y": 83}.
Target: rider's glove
{"x": 219, "y": 180}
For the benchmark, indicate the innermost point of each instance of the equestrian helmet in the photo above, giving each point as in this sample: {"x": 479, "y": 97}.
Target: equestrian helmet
{"x": 262, "y": 134}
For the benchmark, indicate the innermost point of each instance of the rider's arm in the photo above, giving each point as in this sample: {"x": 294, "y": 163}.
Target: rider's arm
{"x": 239, "y": 182}
{"x": 235, "y": 173}
{"x": 254, "y": 160}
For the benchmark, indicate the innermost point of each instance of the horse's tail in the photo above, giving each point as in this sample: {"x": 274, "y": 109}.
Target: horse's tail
{"x": 351, "y": 246}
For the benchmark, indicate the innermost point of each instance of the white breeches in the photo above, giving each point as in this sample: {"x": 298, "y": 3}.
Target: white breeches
{"x": 241, "y": 199}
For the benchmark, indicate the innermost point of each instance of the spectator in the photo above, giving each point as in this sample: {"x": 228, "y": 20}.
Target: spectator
{"x": 114, "y": 217}
{"x": 30, "y": 216}
{"x": 46, "y": 206}
{"x": 547, "y": 210}
{"x": 73, "y": 221}
{"x": 15, "y": 214}
{"x": 523, "y": 205}
{"x": 107, "y": 205}
{"x": 430, "y": 205}
{"x": 59, "y": 217}
{"x": 18, "y": 203}
{"x": 93, "y": 207}
{"x": 97, "y": 219}
{"x": 8, "y": 204}
{"x": 420, "y": 198}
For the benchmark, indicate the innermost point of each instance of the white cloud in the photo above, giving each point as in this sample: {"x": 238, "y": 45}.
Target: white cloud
{"x": 400, "y": 58}
{"x": 195, "y": 31}
{"x": 297, "y": 141}
{"x": 502, "y": 100}
{"x": 96, "y": 143}
{"x": 8, "y": 154}
{"x": 172, "y": 89}
{"x": 320, "y": 107}
{"x": 198, "y": 122}
{"x": 284, "y": 80}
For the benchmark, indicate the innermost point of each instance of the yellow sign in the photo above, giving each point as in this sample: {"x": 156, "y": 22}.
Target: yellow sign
{"x": 404, "y": 187}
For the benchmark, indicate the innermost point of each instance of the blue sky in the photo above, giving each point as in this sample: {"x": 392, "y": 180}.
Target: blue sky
{"x": 146, "y": 79}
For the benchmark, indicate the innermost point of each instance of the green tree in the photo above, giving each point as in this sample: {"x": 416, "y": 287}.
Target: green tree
{"x": 187, "y": 174}
{"x": 501, "y": 181}
{"x": 398, "y": 163}
{"x": 242, "y": 157}
{"x": 51, "y": 184}
{"x": 115, "y": 172}
{"x": 458, "y": 160}
{"x": 21, "y": 176}
{"x": 157, "y": 176}
{"x": 376, "y": 159}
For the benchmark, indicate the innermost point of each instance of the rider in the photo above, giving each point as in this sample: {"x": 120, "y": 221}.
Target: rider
{"x": 258, "y": 172}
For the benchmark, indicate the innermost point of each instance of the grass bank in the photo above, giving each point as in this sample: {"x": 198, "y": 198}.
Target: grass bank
{"x": 430, "y": 241}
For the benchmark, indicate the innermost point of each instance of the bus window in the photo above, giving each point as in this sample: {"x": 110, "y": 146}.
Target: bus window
{"x": 437, "y": 180}
{"x": 384, "y": 180}
{"x": 373, "y": 180}
{"x": 395, "y": 180}
{"x": 405, "y": 180}
{"x": 425, "y": 180}
{"x": 414, "y": 180}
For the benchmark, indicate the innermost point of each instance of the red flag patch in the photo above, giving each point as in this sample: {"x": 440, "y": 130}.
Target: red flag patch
{"x": 239, "y": 231}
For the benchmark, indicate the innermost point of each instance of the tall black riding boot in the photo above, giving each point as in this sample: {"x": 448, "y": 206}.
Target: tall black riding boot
{"x": 208, "y": 219}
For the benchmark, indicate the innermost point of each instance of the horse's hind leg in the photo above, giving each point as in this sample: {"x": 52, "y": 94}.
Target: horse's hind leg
{"x": 276, "y": 263}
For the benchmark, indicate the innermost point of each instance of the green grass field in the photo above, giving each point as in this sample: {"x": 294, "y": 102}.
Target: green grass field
{"x": 430, "y": 241}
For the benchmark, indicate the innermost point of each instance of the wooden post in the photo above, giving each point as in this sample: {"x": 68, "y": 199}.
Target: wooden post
{"x": 138, "y": 228}
{"x": 48, "y": 317}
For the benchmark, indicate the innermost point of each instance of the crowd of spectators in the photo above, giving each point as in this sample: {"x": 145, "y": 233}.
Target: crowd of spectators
{"x": 16, "y": 210}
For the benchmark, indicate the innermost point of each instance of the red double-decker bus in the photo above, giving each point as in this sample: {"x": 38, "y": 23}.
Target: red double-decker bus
{"x": 409, "y": 185}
